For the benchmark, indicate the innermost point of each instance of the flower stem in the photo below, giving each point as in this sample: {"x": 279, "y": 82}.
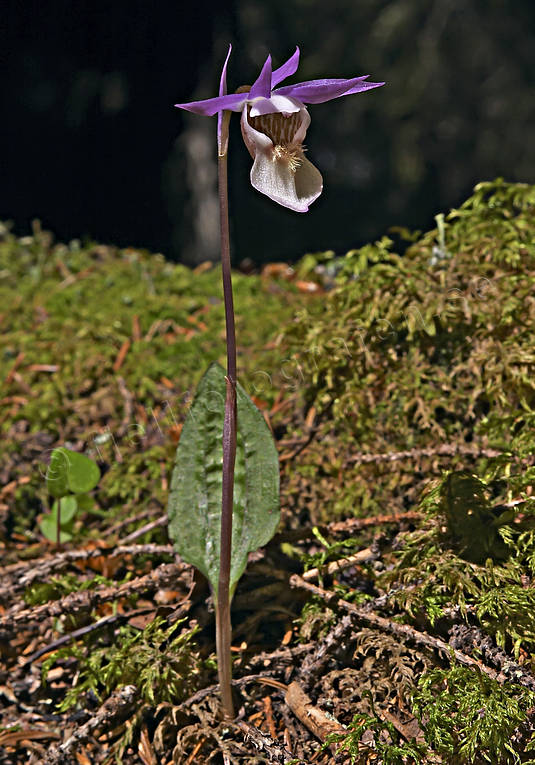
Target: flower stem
{"x": 223, "y": 625}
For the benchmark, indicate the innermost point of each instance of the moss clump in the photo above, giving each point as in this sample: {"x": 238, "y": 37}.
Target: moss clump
{"x": 400, "y": 356}
{"x": 73, "y": 308}
{"x": 470, "y": 718}
{"x": 384, "y": 744}
{"x": 160, "y": 660}
{"x": 417, "y": 350}
{"x": 480, "y": 560}
{"x": 102, "y": 348}
{"x": 59, "y": 586}
{"x": 465, "y": 717}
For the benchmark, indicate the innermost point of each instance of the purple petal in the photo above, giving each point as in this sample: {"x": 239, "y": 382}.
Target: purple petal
{"x": 262, "y": 87}
{"x": 222, "y": 92}
{"x": 209, "y": 107}
{"x": 223, "y": 80}
{"x": 286, "y": 70}
{"x": 362, "y": 86}
{"x": 319, "y": 91}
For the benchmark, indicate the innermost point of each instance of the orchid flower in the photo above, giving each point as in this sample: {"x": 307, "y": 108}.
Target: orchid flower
{"x": 274, "y": 122}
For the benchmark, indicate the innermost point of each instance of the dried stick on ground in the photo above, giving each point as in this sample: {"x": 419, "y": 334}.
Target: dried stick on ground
{"x": 403, "y": 631}
{"x": 317, "y": 721}
{"x": 149, "y": 513}
{"x": 282, "y": 657}
{"x": 214, "y": 689}
{"x": 315, "y": 662}
{"x": 464, "y": 637}
{"x": 362, "y": 556}
{"x": 351, "y": 525}
{"x": 112, "y": 712}
{"x": 166, "y": 575}
{"x": 348, "y": 526}
{"x": 446, "y": 450}
{"x": 181, "y": 609}
{"x": 24, "y": 574}
{"x": 161, "y": 521}
{"x": 128, "y": 397}
{"x": 271, "y": 749}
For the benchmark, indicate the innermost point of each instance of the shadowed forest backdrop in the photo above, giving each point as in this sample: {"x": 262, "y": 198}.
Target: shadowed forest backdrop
{"x": 94, "y": 148}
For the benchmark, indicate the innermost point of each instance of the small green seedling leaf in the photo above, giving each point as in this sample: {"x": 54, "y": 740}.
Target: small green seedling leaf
{"x": 70, "y": 472}
{"x": 56, "y": 475}
{"x": 83, "y": 474}
{"x": 49, "y": 529}
{"x": 68, "y": 506}
{"x": 194, "y": 507}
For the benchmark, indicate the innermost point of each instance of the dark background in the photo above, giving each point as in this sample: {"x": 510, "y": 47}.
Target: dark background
{"x": 94, "y": 148}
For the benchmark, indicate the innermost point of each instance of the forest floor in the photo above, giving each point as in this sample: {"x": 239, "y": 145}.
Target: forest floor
{"x": 390, "y": 618}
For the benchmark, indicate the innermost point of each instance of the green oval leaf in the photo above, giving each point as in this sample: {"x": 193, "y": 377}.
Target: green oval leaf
{"x": 56, "y": 474}
{"x": 194, "y": 507}
{"x": 68, "y": 506}
{"x": 49, "y": 530}
{"x": 83, "y": 473}
{"x": 70, "y": 472}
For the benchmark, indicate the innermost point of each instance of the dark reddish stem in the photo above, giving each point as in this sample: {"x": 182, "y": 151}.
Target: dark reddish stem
{"x": 223, "y": 625}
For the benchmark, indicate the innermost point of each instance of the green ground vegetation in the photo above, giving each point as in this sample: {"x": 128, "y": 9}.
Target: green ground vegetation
{"x": 404, "y": 383}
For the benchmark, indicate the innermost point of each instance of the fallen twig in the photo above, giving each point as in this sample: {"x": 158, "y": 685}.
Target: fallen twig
{"x": 166, "y": 575}
{"x": 112, "y": 712}
{"x": 12, "y": 485}
{"x": 12, "y": 372}
{"x": 123, "y": 350}
{"x": 22, "y": 575}
{"x": 363, "y": 556}
{"x": 134, "y": 519}
{"x": 128, "y": 397}
{"x": 315, "y": 663}
{"x": 404, "y": 631}
{"x": 162, "y": 521}
{"x": 355, "y": 524}
{"x": 104, "y": 622}
{"x": 348, "y": 526}
{"x": 462, "y": 635}
{"x": 269, "y": 747}
{"x": 316, "y": 720}
{"x": 284, "y": 657}
{"x": 445, "y": 450}
{"x": 214, "y": 689}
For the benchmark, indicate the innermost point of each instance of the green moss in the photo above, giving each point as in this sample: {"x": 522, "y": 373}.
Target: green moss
{"x": 415, "y": 350}
{"x": 470, "y": 718}
{"x": 160, "y": 661}
{"x": 386, "y": 745}
{"x": 315, "y": 621}
{"x": 403, "y": 352}
{"x": 465, "y": 717}
{"x": 75, "y": 308}
{"x": 67, "y": 313}
{"x": 473, "y": 554}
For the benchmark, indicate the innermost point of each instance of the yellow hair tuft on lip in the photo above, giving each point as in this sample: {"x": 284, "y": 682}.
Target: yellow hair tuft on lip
{"x": 292, "y": 157}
